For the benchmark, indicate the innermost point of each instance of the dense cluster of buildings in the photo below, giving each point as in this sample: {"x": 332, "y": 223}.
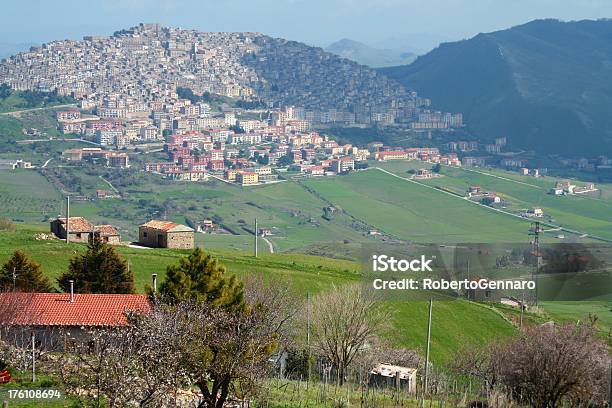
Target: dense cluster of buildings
{"x": 97, "y": 155}
{"x": 250, "y": 157}
{"x": 236, "y": 147}
{"x": 135, "y": 74}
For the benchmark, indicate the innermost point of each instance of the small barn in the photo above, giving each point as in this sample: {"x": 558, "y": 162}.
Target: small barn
{"x": 108, "y": 234}
{"x": 387, "y": 375}
{"x": 166, "y": 234}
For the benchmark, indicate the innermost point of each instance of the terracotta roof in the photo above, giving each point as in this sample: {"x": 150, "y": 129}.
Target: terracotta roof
{"x": 166, "y": 226}
{"x": 55, "y": 309}
{"x": 106, "y": 230}
{"x": 77, "y": 224}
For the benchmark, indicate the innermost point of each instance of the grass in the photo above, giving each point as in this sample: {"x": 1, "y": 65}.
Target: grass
{"x": 574, "y": 311}
{"x": 287, "y": 393}
{"x": 25, "y": 194}
{"x": 457, "y": 323}
{"x": 23, "y": 380}
{"x": 413, "y": 212}
{"x": 12, "y": 126}
{"x": 591, "y": 213}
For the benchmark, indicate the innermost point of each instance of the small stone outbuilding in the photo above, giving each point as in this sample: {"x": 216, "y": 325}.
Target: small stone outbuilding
{"x": 166, "y": 234}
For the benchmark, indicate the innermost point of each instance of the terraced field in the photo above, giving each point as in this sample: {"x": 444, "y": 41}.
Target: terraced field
{"x": 25, "y": 194}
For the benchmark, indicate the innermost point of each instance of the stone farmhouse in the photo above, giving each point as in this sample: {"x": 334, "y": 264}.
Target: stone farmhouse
{"x": 166, "y": 234}
{"x": 80, "y": 229}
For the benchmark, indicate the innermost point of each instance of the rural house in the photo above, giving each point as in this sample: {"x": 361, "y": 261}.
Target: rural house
{"x": 80, "y": 229}
{"x": 166, "y": 234}
{"x": 61, "y": 320}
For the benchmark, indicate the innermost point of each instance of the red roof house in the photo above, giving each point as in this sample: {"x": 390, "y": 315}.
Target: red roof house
{"x": 59, "y": 321}
{"x": 57, "y": 309}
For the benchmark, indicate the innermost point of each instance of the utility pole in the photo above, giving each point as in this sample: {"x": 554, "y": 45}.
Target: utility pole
{"x": 14, "y": 277}
{"x": 255, "y": 237}
{"x": 425, "y": 382}
{"x": 308, "y": 336}
{"x": 67, "y": 219}
{"x": 522, "y": 310}
{"x": 536, "y": 230}
{"x": 468, "y": 274}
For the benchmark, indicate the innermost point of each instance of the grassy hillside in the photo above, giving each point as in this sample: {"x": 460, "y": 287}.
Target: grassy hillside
{"x": 18, "y": 100}
{"x": 541, "y": 84}
{"x": 590, "y": 213}
{"x": 456, "y": 323}
{"x": 25, "y": 194}
{"x": 294, "y": 210}
{"x": 413, "y": 212}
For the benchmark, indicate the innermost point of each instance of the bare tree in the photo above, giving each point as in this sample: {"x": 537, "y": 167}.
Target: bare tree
{"x": 482, "y": 363}
{"x": 153, "y": 358}
{"x": 344, "y": 321}
{"x": 237, "y": 355}
{"x": 550, "y": 364}
{"x": 137, "y": 365}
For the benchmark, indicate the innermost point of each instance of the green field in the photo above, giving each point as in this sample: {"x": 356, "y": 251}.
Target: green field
{"x": 573, "y": 311}
{"x": 413, "y": 212}
{"x": 589, "y": 213}
{"x": 25, "y": 194}
{"x": 294, "y": 210}
{"x": 457, "y": 323}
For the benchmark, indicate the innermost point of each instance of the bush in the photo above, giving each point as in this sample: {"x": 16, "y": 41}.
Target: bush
{"x": 6, "y": 224}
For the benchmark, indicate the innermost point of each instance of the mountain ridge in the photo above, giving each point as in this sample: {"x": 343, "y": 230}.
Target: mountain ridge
{"x": 544, "y": 84}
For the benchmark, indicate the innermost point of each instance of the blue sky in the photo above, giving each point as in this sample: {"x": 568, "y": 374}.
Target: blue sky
{"x": 318, "y": 22}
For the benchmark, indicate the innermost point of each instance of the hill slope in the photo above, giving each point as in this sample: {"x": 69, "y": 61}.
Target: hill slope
{"x": 367, "y": 55}
{"x": 546, "y": 85}
{"x": 457, "y": 323}
{"x": 245, "y": 64}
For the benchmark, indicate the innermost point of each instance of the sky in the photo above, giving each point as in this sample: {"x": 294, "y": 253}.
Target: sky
{"x": 417, "y": 24}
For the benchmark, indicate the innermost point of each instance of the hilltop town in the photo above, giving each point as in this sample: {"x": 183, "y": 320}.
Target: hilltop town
{"x": 137, "y": 71}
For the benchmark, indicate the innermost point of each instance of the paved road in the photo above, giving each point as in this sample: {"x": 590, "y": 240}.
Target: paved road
{"x": 269, "y": 244}
{"x": 17, "y": 113}
{"x": 109, "y": 183}
{"x": 47, "y": 162}
{"x": 57, "y": 139}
